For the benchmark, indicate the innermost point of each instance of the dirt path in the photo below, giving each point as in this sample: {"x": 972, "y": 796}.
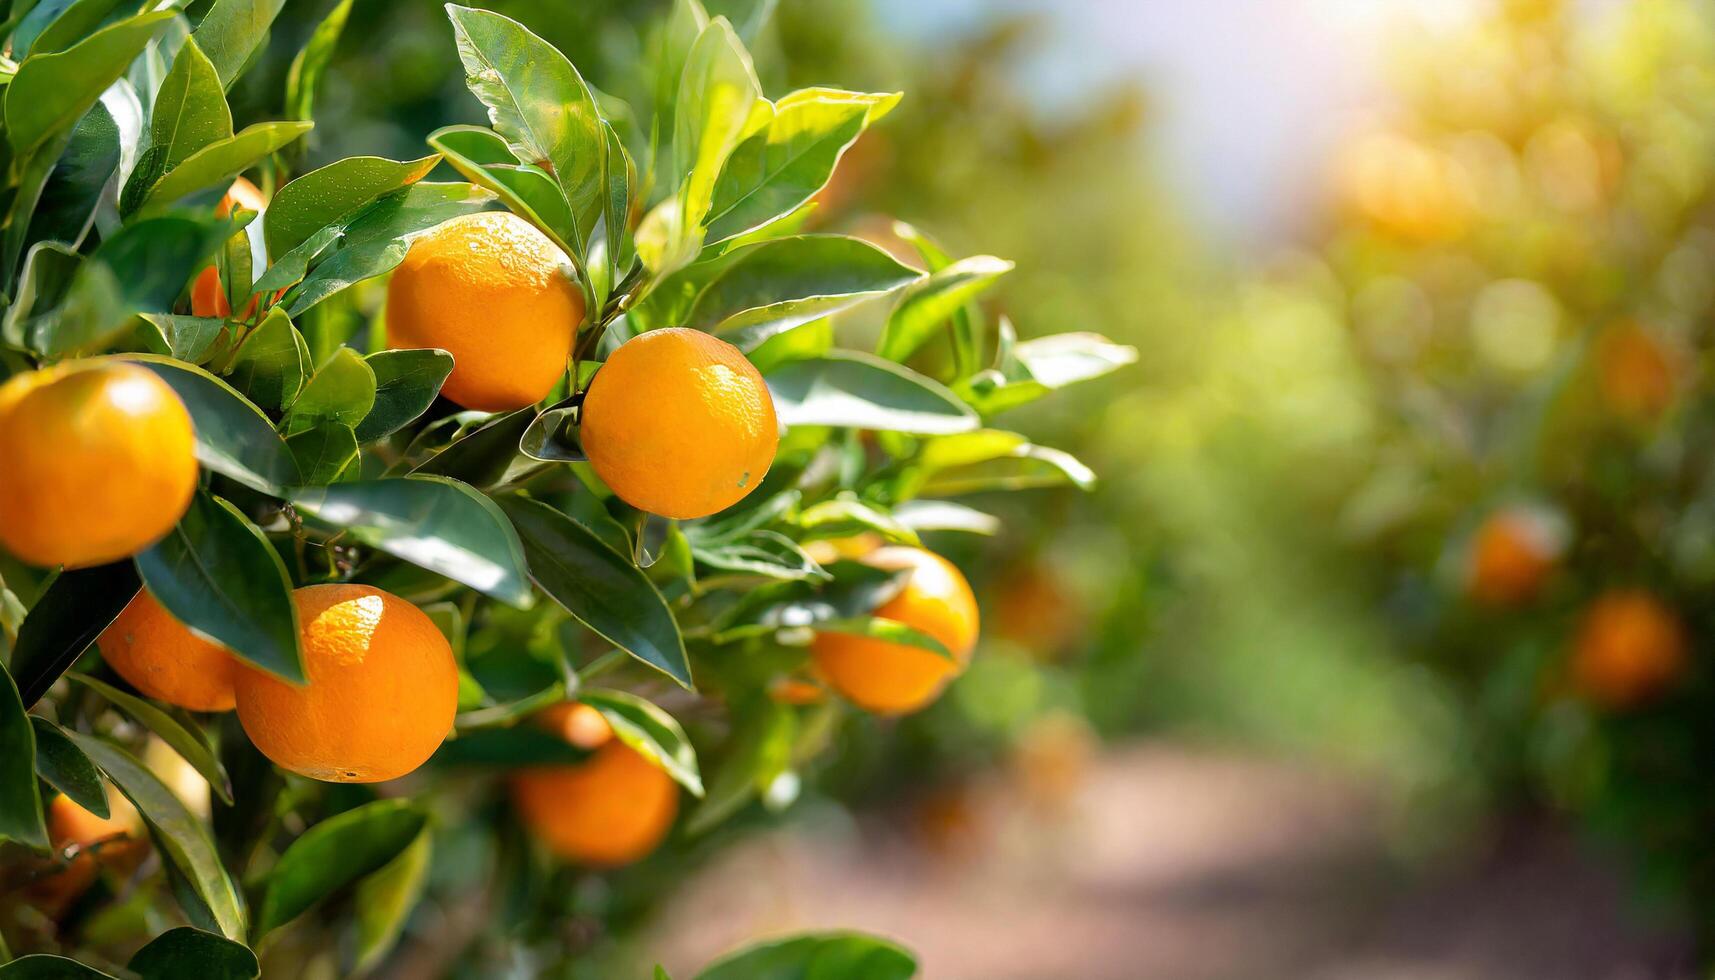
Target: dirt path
{"x": 1173, "y": 863}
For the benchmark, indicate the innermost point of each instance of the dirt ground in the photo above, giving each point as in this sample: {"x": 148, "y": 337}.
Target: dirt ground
{"x": 1169, "y": 862}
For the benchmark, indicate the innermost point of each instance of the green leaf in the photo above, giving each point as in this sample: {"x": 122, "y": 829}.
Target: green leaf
{"x": 650, "y": 731}
{"x": 536, "y": 100}
{"x": 217, "y": 573}
{"x": 385, "y": 900}
{"x": 234, "y": 438}
{"x": 599, "y": 587}
{"x": 816, "y": 956}
{"x": 719, "y": 103}
{"x": 186, "y": 952}
{"x": 20, "y": 804}
{"x": 50, "y": 91}
{"x": 342, "y": 391}
{"x": 433, "y": 522}
{"x": 55, "y": 25}
{"x": 66, "y": 207}
{"x": 846, "y": 515}
{"x": 67, "y": 769}
{"x": 335, "y": 853}
{"x": 930, "y": 303}
{"x": 406, "y": 383}
{"x": 311, "y": 63}
{"x": 846, "y": 388}
{"x": 77, "y": 605}
{"x": 886, "y": 630}
{"x": 553, "y": 435}
{"x": 482, "y": 456}
{"x": 190, "y": 109}
{"x": 270, "y": 366}
{"x": 377, "y": 237}
{"x": 48, "y": 272}
{"x": 759, "y": 750}
{"x": 1022, "y": 468}
{"x": 773, "y": 286}
{"x": 324, "y": 452}
{"x": 944, "y": 515}
{"x": 771, "y": 173}
{"x": 231, "y": 32}
{"x": 323, "y": 197}
{"x": 481, "y": 156}
{"x": 183, "y": 338}
{"x": 180, "y": 836}
{"x": 216, "y": 164}
{"x": 190, "y": 745}
{"x": 46, "y": 966}
{"x": 513, "y": 746}
{"x": 1034, "y": 368}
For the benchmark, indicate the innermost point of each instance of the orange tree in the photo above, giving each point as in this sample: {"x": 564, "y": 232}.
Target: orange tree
{"x": 596, "y": 498}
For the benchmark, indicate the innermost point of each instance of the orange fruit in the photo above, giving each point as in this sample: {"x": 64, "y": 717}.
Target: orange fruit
{"x": 1635, "y": 372}
{"x": 1511, "y": 556}
{"x": 1629, "y": 649}
{"x": 208, "y": 296}
{"x": 577, "y": 723}
{"x": 679, "y": 423}
{"x": 1036, "y": 611}
{"x": 494, "y": 292}
{"x": 115, "y": 843}
{"x": 894, "y": 678}
{"x": 100, "y": 462}
{"x": 382, "y": 691}
{"x": 161, "y": 657}
{"x": 609, "y": 810}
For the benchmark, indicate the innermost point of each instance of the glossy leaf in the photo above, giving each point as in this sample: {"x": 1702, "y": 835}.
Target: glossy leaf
{"x": 234, "y": 438}
{"x": 232, "y": 30}
{"x": 333, "y": 854}
{"x": 215, "y": 165}
{"x": 718, "y": 99}
{"x": 652, "y": 732}
{"x": 271, "y": 364}
{"x": 927, "y": 305}
{"x": 324, "y": 452}
{"x": 181, "y": 837}
{"x": 1023, "y": 468}
{"x": 184, "y": 338}
{"x": 776, "y": 285}
{"x": 20, "y": 804}
{"x": 217, "y": 573}
{"x": 1034, "y": 368}
{"x": 846, "y": 388}
{"x": 190, "y": 110}
{"x": 774, "y": 171}
{"x": 481, "y": 456}
{"x": 46, "y": 966}
{"x": 67, "y": 769}
{"x": 325, "y": 196}
{"x": 65, "y": 620}
{"x": 944, "y": 515}
{"x": 69, "y": 197}
{"x": 406, "y": 383}
{"x": 599, "y": 587}
{"x": 482, "y": 157}
{"x": 816, "y": 956}
{"x": 190, "y": 745}
{"x": 553, "y": 435}
{"x": 886, "y": 630}
{"x": 50, "y": 91}
{"x": 342, "y": 391}
{"x": 187, "y": 952}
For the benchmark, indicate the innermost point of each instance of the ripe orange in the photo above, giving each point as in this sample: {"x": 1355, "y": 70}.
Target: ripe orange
{"x": 208, "y": 297}
{"x": 610, "y": 810}
{"x": 100, "y": 461}
{"x": 382, "y": 691}
{"x": 497, "y": 294}
{"x": 577, "y": 723}
{"x": 116, "y": 843}
{"x": 161, "y": 657}
{"x": 893, "y": 678}
{"x": 1629, "y": 649}
{"x": 1511, "y": 556}
{"x": 679, "y": 423}
{"x": 1635, "y": 372}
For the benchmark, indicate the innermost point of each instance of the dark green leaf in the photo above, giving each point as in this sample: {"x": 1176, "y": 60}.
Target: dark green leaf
{"x": 927, "y": 305}
{"x": 20, "y": 804}
{"x": 342, "y": 391}
{"x": 232, "y": 30}
{"x": 181, "y": 837}
{"x": 216, "y": 164}
{"x": 234, "y": 438}
{"x": 323, "y": 197}
{"x": 190, "y": 110}
{"x": 191, "y": 745}
{"x": 652, "y": 732}
{"x": 553, "y": 435}
{"x": 217, "y": 573}
{"x": 324, "y": 452}
{"x": 599, "y": 587}
{"x": 481, "y": 457}
{"x": 48, "y": 271}
{"x": 436, "y": 523}
{"x": 335, "y": 853}
{"x": 76, "y": 607}
{"x": 51, "y": 91}
{"x": 385, "y": 900}
{"x": 846, "y": 388}
{"x": 184, "y": 338}
{"x": 178, "y": 954}
{"x": 816, "y": 956}
{"x": 67, "y": 769}
{"x": 511, "y": 747}
{"x": 270, "y": 366}
{"x": 406, "y": 383}
{"x": 46, "y": 966}
{"x": 68, "y": 200}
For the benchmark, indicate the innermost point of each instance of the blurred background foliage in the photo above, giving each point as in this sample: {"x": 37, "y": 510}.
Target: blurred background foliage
{"x": 1360, "y": 495}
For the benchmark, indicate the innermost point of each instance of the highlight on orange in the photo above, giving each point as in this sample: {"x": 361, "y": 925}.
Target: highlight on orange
{"x": 208, "y": 293}
{"x": 161, "y": 657}
{"x": 609, "y": 810}
{"x": 382, "y": 691}
{"x": 1636, "y": 371}
{"x": 895, "y": 678}
{"x": 1512, "y": 555}
{"x": 1630, "y": 648}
